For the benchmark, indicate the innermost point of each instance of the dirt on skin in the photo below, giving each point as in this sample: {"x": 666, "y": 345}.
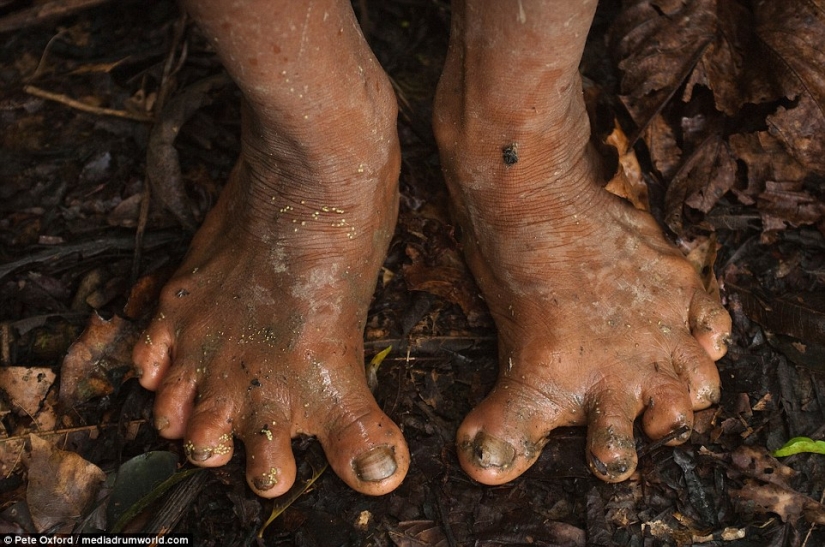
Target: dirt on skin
{"x": 60, "y": 191}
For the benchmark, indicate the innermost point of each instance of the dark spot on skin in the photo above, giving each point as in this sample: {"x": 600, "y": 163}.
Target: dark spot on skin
{"x": 656, "y": 367}
{"x": 254, "y": 383}
{"x": 264, "y": 429}
{"x": 510, "y": 154}
{"x": 181, "y": 293}
{"x": 705, "y": 270}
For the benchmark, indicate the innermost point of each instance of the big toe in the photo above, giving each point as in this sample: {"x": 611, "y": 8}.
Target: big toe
{"x": 366, "y": 449}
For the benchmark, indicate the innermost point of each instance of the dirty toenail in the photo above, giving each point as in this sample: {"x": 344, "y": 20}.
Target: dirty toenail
{"x": 616, "y": 469}
{"x": 197, "y": 454}
{"x": 488, "y": 451}
{"x": 266, "y": 480}
{"x": 376, "y": 464}
{"x": 161, "y": 423}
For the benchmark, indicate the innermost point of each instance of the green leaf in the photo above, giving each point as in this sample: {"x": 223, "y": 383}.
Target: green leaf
{"x": 800, "y": 444}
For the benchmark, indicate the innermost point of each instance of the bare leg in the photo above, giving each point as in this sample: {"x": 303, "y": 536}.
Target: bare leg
{"x": 599, "y": 317}
{"x": 259, "y": 334}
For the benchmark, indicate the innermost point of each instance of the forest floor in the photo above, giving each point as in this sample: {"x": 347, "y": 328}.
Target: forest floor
{"x": 723, "y": 108}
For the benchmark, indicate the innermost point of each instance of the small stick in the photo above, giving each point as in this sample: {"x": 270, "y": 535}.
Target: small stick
{"x": 78, "y": 105}
{"x": 45, "y": 12}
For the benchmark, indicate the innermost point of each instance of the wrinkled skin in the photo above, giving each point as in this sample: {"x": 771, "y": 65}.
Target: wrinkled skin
{"x": 259, "y": 334}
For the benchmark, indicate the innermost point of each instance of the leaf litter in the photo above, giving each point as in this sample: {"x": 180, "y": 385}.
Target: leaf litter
{"x": 722, "y": 102}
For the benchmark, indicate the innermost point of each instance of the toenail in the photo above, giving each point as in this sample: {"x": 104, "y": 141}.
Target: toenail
{"x": 267, "y": 480}
{"x": 197, "y": 454}
{"x": 616, "y": 469}
{"x": 488, "y": 451}
{"x": 161, "y": 423}
{"x": 376, "y": 464}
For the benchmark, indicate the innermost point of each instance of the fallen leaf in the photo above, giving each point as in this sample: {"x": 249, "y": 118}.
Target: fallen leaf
{"x": 26, "y": 387}
{"x": 103, "y": 352}
{"x": 61, "y": 488}
{"x": 792, "y": 33}
{"x": 418, "y": 533}
{"x": 661, "y": 143}
{"x": 798, "y": 445}
{"x": 786, "y": 503}
{"x": 628, "y": 182}
{"x": 701, "y": 181}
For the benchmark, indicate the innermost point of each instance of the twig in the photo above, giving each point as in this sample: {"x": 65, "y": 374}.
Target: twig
{"x": 68, "y": 101}
{"x": 40, "y": 14}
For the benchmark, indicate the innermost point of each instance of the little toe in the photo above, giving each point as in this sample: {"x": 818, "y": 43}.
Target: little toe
{"x": 611, "y": 449}
{"x": 270, "y": 464}
{"x": 151, "y": 355}
{"x": 366, "y": 449}
{"x": 710, "y": 324}
{"x": 668, "y": 409}
{"x": 696, "y": 367}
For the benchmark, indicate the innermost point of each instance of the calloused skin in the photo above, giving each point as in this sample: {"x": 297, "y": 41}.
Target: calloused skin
{"x": 259, "y": 334}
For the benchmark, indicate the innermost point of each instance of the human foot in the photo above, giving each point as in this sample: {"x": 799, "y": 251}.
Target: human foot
{"x": 600, "y": 319}
{"x": 259, "y": 335}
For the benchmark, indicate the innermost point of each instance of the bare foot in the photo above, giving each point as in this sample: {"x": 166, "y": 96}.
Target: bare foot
{"x": 259, "y": 335}
{"x": 600, "y": 319}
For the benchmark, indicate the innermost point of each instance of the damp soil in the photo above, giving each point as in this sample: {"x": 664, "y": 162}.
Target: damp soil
{"x": 73, "y": 181}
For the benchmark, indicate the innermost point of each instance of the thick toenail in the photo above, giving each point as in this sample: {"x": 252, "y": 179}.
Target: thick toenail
{"x": 376, "y": 464}
{"x": 616, "y": 469}
{"x": 267, "y": 480}
{"x": 488, "y": 451}
{"x": 197, "y": 454}
{"x": 161, "y": 423}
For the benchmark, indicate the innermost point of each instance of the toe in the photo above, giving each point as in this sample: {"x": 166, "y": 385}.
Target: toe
{"x": 668, "y": 408}
{"x": 208, "y": 441}
{"x": 696, "y": 367}
{"x": 710, "y": 324}
{"x": 503, "y": 436}
{"x": 270, "y": 465}
{"x": 174, "y": 401}
{"x": 151, "y": 355}
{"x": 611, "y": 449}
{"x": 365, "y": 448}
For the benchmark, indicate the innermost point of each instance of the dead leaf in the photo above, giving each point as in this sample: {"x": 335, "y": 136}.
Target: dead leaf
{"x": 102, "y": 348}
{"x": 628, "y": 182}
{"x": 418, "y": 533}
{"x": 701, "y": 181}
{"x": 26, "y": 387}
{"x": 62, "y": 486}
{"x": 661, "y": 143}
{"x": 765, "y": 159}
{"x": 757, "y": 462}
{"x": 702, "y": 257}
{"x": 664, "y": 44}
{"x": 786, "y": 503}
{"x": 792, "y": 33}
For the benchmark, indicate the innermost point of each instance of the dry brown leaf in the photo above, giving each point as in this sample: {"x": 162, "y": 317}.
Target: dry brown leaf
{"x": 628, "y": 181}
{"x": 663, "y": 44}
{"x": 765, "y": 159}
{"x": 786, "y": 503}
{"x": 702, "y": 257}
{"x": 661, "y": 143}
{"x": 788, "y": 203}
{"x": 26, "y": 387}
{"x": 701, "y": 180}
{"x": 102, "y": 348}
{"x": 418, "y": 533}
{"x": 447, "y": 282}
{"x": 62, "y": 486}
